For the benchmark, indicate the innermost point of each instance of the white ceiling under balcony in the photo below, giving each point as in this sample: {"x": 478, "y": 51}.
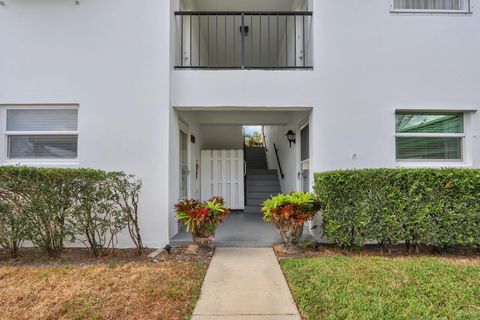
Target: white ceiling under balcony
{"x": 245, "y": 5}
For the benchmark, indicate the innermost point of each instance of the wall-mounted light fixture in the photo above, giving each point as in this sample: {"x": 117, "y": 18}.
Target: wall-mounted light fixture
{"x": 244, "y": 30}
{"x": 291, "y": 137}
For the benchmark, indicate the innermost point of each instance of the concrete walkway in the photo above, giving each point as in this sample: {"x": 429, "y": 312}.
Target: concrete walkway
{"x": 245, "y": 283}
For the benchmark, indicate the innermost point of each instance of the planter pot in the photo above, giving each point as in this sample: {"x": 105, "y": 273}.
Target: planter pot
{"x": 291, "y": 234}
{"x": 203, "y": 239}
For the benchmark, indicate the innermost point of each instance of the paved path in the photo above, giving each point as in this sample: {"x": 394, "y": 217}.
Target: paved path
{"x": 245, "y": 283}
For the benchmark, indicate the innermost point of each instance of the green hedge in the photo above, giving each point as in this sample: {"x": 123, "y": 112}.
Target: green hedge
{"x": 50, "y": 206}
{"x": 434, "y": 207}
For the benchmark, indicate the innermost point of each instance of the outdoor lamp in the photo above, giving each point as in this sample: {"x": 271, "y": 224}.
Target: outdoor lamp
{"x": 291, "y": 137}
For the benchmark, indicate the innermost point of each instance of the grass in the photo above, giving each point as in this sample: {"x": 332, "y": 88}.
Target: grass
{"x": 166, "y": 290}
{"x": 365, "y": 287}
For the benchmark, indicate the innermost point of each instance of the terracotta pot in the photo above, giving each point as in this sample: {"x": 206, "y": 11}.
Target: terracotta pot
{"x": 291, "y": 234}
{"x": 203, "y": 239}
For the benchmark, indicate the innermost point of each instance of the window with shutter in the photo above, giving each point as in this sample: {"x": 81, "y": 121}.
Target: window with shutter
{"x": 41, "y": 133}
{"x": 429, "y": 136}
{"x": 431, "y": 5}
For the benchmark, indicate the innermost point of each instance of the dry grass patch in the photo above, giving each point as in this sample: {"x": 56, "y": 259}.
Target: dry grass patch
{"x": 166, "y": 290}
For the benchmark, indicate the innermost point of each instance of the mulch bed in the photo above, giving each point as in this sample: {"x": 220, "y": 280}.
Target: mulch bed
{"x": 82, "y": 256}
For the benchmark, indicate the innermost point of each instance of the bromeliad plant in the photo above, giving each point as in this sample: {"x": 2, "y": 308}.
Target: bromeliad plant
{"x": 288, "y": 212}
{"x": 202, "y": 218}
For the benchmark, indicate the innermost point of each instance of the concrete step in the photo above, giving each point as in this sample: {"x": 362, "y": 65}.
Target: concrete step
{"x": 260, "y": 195}
{"x": 251, "y": 183}
{"x": 252, "y": 209}
{"x": 257, "y": 165}
{"x": 261, "y": 171}
{"x": 254, "y": 150}
{"x": 253, "y": 177}
{"x": 255, "y": 202}
{"x": 274, "y": 189}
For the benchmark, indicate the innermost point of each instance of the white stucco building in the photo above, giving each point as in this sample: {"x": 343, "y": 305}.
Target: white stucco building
{"x": 145, "y": 86}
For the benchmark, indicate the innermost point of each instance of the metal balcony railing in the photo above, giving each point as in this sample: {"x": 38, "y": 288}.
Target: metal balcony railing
{"x": 243, "y": 40}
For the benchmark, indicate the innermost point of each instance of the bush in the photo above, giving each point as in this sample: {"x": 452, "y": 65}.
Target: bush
{"x": 435, "y": 207}
{"x": 49, "y": 206}
{"x": 291, "y": 209}
{"x": 202, "y": 217}
{"x": 12, "y": 213}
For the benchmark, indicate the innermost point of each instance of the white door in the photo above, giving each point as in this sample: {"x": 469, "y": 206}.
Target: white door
{"x": 222, "y": 174}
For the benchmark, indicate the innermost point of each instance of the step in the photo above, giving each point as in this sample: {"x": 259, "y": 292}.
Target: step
{"x": 257, "y": 165}
{"x": 251, "y": 183}
{"x": 262, "y": 177}
{"x": 261, "y": 171}
{"x": 260, "y": 188}
{"x": 255, "y": 202}
{"x": 260, "y": 195}
{"x": 252, "y": 209}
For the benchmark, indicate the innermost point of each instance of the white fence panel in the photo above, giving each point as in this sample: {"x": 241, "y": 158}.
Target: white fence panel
{"x": 222, "y": 174}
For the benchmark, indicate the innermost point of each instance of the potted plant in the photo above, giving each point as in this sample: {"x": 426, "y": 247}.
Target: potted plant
{"x": 288, "y": 212}
{"x": 202, "y": 219}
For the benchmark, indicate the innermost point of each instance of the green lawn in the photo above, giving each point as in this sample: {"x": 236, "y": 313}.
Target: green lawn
{"x": 382, "y": 288}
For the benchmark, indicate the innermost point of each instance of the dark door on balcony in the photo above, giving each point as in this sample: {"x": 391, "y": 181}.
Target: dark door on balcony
{"x": 305, "y": 158}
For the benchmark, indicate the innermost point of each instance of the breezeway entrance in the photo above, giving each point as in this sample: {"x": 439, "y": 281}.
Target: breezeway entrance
{"x": 220, "y": 164}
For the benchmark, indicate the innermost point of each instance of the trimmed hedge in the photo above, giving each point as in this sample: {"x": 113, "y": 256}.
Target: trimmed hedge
{"x": 434, "y": 207}
{"x": 50, "y": 206}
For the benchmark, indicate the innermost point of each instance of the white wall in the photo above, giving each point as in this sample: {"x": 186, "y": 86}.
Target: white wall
{"x": 362, "y": 74}
{"x": 109, "y": 57}
{"x": 112, "y": 58}
{"x": 221, "y": 137}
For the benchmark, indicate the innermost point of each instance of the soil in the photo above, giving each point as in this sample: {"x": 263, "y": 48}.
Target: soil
{"x": 325, "y": 250}
{"x": 82, "y": 256}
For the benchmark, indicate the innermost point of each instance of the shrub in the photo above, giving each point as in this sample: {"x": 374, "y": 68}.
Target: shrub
{"x": 288, "y": 212}
{"x": 126, "y": 195}
{"x": 95, "y": 217}
{"x": 435, "y": 207}
{"x": 50, "y": 200}
{"x": 49, "y": 206}
{"x": 291, "y": 209}
{"x": 202, "y": 216}
{"x": 12, "y": 216}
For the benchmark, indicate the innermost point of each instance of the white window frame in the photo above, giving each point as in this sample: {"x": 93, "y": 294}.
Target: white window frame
{"x": 462, "y": 162}
{"x": 4, "y": 158}
{"x": 467, "y": 9}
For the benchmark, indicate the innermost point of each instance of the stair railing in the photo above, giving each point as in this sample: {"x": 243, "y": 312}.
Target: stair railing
{"x": 278, "y": 162}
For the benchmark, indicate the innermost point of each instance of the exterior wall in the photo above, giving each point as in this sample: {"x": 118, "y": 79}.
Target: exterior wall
{"x": 362, "y": 74}
{"x": 289, "y": 156}
{"x": 222, "y": 137}
{"x": 114, "y": 59}
{"x": 110, "y": 58}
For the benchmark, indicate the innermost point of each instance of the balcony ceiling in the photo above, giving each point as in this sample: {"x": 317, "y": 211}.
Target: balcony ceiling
{"x": 244, "y": 5}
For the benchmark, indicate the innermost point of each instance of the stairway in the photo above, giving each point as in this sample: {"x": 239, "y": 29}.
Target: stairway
{"x": 261, "y": 182}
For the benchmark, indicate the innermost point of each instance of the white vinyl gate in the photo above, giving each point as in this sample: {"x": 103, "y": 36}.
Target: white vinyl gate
{"x": 222, "y": 175}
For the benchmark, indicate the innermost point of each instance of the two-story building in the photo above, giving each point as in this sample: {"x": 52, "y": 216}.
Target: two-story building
{"x": 163, "y": 89}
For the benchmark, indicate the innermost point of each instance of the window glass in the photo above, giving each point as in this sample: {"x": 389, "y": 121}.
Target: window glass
{"x": 42, "y": 120}
{"x": 429, "y": 123}
{"x": 42, "y": 147}
{"x": 428, "y": 4}
{"x": 429, "y": 148}
{"x": 305, "y": 143}
{"x": 429, "y": 136}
